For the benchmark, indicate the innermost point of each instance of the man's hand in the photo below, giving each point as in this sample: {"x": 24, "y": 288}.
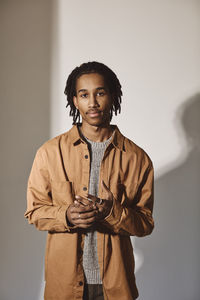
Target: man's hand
{"x": 104, "y": 205}
{"x": 82, "y": 213}
{"x": 86, "y": 210}
{"x": 101, "y": 206}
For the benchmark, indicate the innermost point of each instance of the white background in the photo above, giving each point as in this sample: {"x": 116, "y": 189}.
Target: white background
{"x": 153, "y": 47}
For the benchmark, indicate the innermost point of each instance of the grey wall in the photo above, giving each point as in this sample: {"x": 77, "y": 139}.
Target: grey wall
{"x": 171, "y": 254}
{"x": 153, "y": 46}
{"x": 25, "y": 28}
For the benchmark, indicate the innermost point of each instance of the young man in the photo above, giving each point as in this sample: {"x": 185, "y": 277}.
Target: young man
{"x": 91, "y": 188}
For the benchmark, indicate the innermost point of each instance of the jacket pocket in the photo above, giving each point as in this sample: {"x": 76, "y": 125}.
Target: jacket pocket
{"x": 62, "y": 192}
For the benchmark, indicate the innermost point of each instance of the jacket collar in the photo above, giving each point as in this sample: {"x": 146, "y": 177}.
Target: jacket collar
{"x": 117, "y": 140}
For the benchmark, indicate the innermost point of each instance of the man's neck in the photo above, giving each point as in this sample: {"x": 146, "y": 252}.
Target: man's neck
{"x": 96, "y": 133}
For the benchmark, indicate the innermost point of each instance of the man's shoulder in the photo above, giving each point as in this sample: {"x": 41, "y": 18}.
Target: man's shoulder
{"x": 134, "y": 150}
{"x": 55, "y": 142}
{"x": 132, "y": 146}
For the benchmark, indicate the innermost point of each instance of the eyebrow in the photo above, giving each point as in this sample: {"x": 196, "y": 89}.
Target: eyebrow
{"x": 98, "y": 88}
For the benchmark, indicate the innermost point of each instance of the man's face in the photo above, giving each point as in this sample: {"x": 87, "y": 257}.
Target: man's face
{"x": 93, "y": 99}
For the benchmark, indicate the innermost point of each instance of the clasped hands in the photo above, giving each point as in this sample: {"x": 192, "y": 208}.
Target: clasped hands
{"x": 88, "y": 209}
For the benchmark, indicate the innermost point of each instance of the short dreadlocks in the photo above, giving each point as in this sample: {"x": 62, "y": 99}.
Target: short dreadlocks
{"x": 110, "y": 78}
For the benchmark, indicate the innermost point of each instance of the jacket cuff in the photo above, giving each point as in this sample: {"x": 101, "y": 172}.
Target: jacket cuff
{"x": 62, "y": 217}
{"x": 115, "y": 214}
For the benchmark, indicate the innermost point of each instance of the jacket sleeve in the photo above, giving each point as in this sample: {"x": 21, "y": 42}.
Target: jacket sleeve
{"x": 137, "y": 219}
{"x": 41, "y": 211}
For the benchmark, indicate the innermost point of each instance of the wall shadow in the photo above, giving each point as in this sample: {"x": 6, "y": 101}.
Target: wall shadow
{"x": 171, "y": 268}
{"x": 25, "y": 28}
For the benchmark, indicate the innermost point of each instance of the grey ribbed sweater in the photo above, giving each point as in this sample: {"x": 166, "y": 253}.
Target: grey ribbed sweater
{"x": 90, "y": 259}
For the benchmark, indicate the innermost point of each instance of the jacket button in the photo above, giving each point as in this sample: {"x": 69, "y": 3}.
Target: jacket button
{"x": 84, "y": 188}
{"x": 80, "y": 283}
{"x": 86, "y": 156}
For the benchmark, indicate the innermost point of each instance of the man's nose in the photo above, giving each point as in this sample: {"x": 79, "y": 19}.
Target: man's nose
{"x": 93, "y": 101}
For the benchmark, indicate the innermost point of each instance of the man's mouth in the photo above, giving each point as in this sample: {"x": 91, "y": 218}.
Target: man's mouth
{"x": 93, "y": 113}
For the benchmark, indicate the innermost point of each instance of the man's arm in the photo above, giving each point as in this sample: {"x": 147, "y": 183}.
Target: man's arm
{"x": 121, "y": 219}
{"x": 40, "y": 209}
{"x": 46, "y": 215}
{"x": 136, "y": 220}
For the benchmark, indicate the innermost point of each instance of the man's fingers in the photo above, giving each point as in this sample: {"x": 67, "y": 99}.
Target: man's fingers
{"x": 83, "y": 223}
{"x": 91, "y": 198}
{"x": 81, "y": 209}
{"x": 84, "y": 200}
{"x": 85, "y": 226}
{"x": 76, "y": 203}
{"x": 83, "y": 216}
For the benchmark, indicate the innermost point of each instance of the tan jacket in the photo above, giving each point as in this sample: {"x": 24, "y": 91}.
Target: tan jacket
{"x": 61, "y": 169}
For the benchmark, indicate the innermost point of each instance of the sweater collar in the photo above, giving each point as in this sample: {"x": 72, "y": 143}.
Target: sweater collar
{"x": 117, "y": 140}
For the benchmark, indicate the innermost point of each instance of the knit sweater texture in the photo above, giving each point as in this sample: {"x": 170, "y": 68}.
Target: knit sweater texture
{"x": 90, "y": 258}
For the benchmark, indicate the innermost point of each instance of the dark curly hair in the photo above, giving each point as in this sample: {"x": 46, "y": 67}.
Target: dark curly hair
{"x": 110, "y": 78}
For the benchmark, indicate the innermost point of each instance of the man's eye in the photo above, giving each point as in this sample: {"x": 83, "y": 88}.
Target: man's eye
{"x": 100, "y": 94}
{"x": 83, "y": 95}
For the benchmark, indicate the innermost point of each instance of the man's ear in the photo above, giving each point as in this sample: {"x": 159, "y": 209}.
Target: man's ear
{"x": 75, "y": 102}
